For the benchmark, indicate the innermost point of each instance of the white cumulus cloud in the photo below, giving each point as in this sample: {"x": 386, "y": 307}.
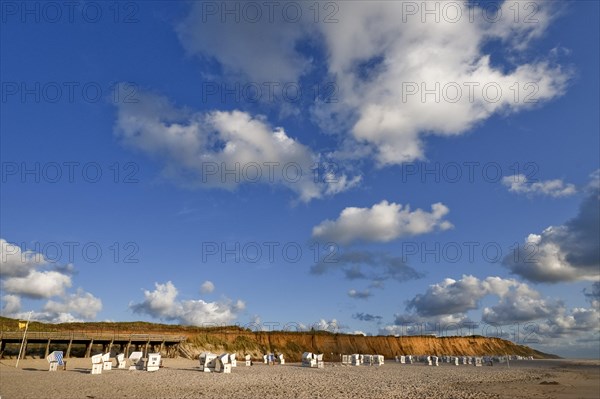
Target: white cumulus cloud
{"x": 37, "y": 284}
{"x": 401, "y": 78}
{"x": 567, "y": 252}
{"x": 162, "y": 303}
{"x": 260, "y": 47}
{"x": 223, "y": 149}
{"x": 11, "y": 304}
{"x": 546, "y": 321}
{"x": 207, "y": 287}
{"x": 554, "y": 188}
{"x": 81, "y": 304}
{"x": 382, "y": 222}
{"x": 15, "y": 262}
{"x": 22, "y": 275}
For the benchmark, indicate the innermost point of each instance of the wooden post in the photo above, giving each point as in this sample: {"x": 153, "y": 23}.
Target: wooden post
{"x": 69, "y": 347}
{"x": 24, "y": 349}
{"x": 47, "y": 348}
{"x": 127, "y": 349}
{"x": 88, "y": 351}
{"x": 24, "y": 341}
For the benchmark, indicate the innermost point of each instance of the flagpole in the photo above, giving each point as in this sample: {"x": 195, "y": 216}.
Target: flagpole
{"x": 23, "y": 341}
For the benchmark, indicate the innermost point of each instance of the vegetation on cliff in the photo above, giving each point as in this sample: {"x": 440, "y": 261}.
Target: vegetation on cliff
{"x": 293, "y": 344}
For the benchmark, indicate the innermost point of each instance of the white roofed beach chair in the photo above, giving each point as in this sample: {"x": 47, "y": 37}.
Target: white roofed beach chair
{"x": 153, "y": 362}
{"x": 208, "y": 362}
{"x": 106, "y": 362}
{"x": 222, "y": 364}
{"x": 308, "y": 360}
{"x": 55, "y": 359}
{"x": 97, "y": 364}
{"x": 320, "y": 362}
{"x": 121, "y": 363}
{"x": 136, "y": 361}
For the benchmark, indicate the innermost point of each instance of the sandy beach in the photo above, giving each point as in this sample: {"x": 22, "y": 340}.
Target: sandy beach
{"x": 181, "y": 378}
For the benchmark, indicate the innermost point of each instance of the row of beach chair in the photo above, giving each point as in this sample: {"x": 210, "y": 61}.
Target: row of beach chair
{"x": 213, "y": 363}
{"x": 360, "y": 359}
{"x": 436, "y": 360}
{"x": 102, "y": 362}
{"x": 312, "y": 360}
{"x": 271, "y": 358}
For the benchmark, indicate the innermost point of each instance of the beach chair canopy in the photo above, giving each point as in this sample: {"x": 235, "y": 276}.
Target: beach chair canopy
{"x": 224, "y": 358}
{"x": 208, "y": 359}
{"x": 56, "y": 356}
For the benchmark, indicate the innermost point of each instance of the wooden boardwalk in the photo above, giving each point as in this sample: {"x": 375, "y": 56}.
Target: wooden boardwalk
{"x": 108, "y": 341}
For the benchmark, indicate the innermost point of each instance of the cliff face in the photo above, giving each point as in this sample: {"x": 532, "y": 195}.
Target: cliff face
{"x": 292, "y": 345}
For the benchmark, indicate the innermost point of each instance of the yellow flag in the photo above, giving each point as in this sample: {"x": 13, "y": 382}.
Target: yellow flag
{"x": 22, "y": 325}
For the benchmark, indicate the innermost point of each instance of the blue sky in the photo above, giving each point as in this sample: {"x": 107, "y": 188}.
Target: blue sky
{"x": 119, "y": 124}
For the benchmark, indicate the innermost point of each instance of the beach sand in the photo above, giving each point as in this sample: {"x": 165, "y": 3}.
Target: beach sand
{"x": 181, "y": 378}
